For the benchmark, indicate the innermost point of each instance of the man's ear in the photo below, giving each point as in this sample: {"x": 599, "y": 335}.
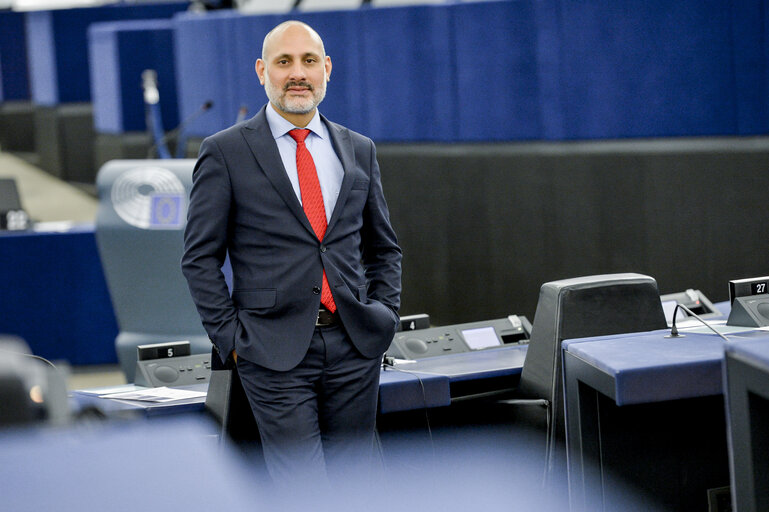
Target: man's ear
{"x": 259, "y": 67}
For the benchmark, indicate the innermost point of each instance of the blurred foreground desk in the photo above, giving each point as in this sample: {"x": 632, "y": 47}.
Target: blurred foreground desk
{"x": 124, "y": 466}
{"x": 55, "y": 297}
{"x": 645, "y": 414}
{"x": 747, "y": 391}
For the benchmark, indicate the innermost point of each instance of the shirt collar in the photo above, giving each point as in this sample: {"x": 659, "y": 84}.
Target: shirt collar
{"x": 280, "y": 126}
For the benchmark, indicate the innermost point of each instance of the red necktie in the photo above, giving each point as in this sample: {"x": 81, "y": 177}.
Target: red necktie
{"x": 312, "y": 202}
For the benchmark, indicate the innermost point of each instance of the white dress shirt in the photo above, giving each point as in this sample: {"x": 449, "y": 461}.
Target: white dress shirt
{"x": 318, "y": 142}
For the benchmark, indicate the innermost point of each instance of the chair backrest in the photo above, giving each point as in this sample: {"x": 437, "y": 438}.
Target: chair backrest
{"x": 578, "y": 308}
{"x": 140, "y": 235}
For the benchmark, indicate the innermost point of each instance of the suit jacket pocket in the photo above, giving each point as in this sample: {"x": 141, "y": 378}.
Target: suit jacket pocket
{"x": 255, "y": 299}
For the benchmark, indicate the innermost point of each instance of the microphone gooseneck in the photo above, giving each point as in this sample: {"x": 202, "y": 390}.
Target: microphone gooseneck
{"x": 674, "y": 330}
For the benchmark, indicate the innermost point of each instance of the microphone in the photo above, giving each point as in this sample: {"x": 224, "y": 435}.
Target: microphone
{"x": 674, "y": 330}
{"x": 205, "y": 107}
{"x": 150, "y": 86}
{"x": 242, "y": 111}
{"x": 153, "y": 119}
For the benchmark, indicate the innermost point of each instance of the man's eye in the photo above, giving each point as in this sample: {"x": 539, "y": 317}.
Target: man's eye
{"x": 282, "y": 61}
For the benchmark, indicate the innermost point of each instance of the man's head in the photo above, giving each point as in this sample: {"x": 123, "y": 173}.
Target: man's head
{"x": 294, "y": 69}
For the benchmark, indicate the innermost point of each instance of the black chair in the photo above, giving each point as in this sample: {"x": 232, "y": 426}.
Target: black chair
{"x": 577, "y": 308}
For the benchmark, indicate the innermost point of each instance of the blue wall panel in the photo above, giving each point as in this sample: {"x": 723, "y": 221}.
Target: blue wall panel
{"x": 104, "y": 58}
{"x": 14, "y": 81}
{"x": 57, "y": 45}
{"x": 217, "y": 54}
{"x": 244, "y": 43}
{"x": 408, "y": 79}
{"x": 499, "y": 71}
{"x": 750, "y": 27}
{"x": 202, "y": 55}
{"x": 511, "y": 70}
{"x": 119, "y": 53}
{"x": 346, "y": 94}
{"x": 642, "y": 68}
{"x": 41, "y": 58}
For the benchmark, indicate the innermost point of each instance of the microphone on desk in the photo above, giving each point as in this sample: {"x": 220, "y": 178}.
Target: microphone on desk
{"x": 674, "y": 330}
{"x": 205, "y": 107}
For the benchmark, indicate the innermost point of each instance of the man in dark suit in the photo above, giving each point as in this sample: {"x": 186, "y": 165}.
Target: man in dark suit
{"x": 315, "y": 262}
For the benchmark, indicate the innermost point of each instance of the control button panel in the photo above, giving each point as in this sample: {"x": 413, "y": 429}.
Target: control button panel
{"x": 451, "y": 339}
{"x": 177, "y": 371}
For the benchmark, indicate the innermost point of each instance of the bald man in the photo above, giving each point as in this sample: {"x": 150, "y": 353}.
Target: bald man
{"x": 297, "y": 203}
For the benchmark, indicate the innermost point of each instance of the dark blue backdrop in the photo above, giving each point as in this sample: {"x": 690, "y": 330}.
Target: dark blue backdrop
{"x": 506, "y": 70}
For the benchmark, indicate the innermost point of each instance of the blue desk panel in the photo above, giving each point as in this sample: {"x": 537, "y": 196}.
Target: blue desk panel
{"x": 651, "y": 368}
{"x": 409, "y": 390}
{"x": 753, "y": 346}
{"x": 54, "y": 295}
{"x": 747, "y": 389}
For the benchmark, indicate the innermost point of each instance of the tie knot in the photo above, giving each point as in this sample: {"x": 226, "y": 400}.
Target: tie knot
{"x": 299, "y": 134}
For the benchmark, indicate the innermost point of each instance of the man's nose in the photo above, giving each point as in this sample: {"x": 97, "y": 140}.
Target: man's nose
{"x": 297, "y": 71}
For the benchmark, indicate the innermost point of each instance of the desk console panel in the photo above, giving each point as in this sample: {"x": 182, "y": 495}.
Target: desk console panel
{"x": 452, "y": 339}
{"x": 174, "y": 371}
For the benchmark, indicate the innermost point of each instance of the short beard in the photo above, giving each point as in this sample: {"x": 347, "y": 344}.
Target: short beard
{"x": 294, "y": 106}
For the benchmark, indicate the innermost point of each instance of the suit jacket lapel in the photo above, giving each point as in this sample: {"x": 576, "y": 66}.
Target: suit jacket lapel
{"x": 262, "y": 144}
{"x": 340, "y": 137}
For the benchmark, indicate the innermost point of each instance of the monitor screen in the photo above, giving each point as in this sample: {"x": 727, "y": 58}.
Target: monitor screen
{"x": 482, "y": 337}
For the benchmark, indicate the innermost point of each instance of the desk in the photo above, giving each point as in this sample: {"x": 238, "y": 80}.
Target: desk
{"x": 746, "y": 366}
{"x": 427, "y": 383}
{"x": 124, "y": 466}
{"x": 55, "y": 297}
{"x": 645, "y": 413}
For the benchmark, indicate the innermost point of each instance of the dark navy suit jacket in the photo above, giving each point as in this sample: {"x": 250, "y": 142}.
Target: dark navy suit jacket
{"x": 242, "y": 204}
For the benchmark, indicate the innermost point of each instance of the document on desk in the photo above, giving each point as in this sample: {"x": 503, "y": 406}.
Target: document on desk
{"x": 158, "y": 395}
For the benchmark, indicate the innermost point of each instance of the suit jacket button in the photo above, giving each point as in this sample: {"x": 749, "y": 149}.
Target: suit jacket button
{"x": 323, "y": 248}
{"x": 316, "y": 290}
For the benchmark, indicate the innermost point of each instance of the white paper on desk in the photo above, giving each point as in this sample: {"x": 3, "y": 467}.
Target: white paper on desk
{"x": 159, "y": 395}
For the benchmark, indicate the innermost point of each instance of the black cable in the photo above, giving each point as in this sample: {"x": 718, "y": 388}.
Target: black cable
{"x": 33, "y": 356}
{"x": 388, "y": 362}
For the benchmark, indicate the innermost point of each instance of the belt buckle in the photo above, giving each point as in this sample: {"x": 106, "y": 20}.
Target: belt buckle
{"x": 328, "y": 318}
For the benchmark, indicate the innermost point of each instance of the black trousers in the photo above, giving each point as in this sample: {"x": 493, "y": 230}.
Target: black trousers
{"x": 317, "y": 420}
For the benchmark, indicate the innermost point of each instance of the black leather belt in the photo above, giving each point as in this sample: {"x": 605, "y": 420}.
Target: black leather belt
{"x": 326, "y": 318}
